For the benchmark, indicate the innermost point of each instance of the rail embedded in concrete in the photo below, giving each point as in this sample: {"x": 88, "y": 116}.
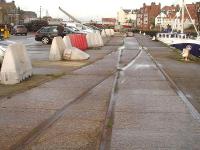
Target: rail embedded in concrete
{"x": 149, "y": 113}
{"x": 109, "y": 120}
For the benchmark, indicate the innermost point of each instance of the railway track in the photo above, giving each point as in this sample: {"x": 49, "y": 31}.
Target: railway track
{"x": 36, "y": 132}
{"x": 109, "y": 120}
{"x": 107, "y": 131}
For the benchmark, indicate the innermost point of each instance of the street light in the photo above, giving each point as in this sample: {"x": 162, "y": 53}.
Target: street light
{"x": 40, "y": 12}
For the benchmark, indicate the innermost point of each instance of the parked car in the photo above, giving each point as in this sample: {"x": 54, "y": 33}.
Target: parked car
{"x": 82, "y": 28}
{"x": 95, "y": 28}
{"x": 19, "y": 29}
{"x": 46, "y": 34}
{"x": 74, "y": 29}
{"x": 69, "y": 30}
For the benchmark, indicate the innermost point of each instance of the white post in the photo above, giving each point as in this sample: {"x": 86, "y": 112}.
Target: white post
{"x": 183, "y": 13}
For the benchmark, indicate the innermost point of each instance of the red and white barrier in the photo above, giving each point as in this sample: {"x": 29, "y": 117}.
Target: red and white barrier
{"x": 57, "y": 49}
{"x": 79, "y": 41}
{"x": 67, "y": 41}
{"x": 109, "y": 32}
{"x": 103, "y": 33}
{"x": 94, "y": 40}
{"x": 74, "y": 53}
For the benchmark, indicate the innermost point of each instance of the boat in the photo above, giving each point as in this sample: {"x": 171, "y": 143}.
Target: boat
{"x": 181, "y": 40}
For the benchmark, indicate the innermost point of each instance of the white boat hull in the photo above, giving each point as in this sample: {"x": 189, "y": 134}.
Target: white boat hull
{"x": 183, "y": 43}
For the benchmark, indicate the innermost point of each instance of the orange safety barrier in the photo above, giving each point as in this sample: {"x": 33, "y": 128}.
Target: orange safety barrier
{"x": 79, "y": 41}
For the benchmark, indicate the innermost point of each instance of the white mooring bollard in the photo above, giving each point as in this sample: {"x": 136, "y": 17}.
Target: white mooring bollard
{"x": 185, "y": 54}
{"x": 100, "y": 40}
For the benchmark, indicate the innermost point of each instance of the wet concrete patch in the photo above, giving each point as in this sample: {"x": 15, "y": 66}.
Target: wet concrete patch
{"x": 151, "y": 121}
{"x": 127, "y": 56}
{"x": 153, "y": 140}
{"x": 150, "y": 91}
{"x": 131, "y": 43}
{"x": 150, "y": 104}
{"x": 139, "y": 75}
{"x": 128, "y": 83}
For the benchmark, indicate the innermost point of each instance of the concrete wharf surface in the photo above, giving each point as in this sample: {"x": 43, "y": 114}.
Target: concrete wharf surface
{"x": 148, "y": 113}
{"x": 69, "y": 113}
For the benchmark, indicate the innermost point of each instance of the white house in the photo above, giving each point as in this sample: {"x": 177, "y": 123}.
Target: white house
{"x": 170, "y": 15}
{"x": 163, "y": 20}
{"x": 126, "y": 17}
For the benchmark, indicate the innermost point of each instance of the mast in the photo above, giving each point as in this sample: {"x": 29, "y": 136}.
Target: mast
{"x": 182, "y": 18}
{"x": 70, "y": 16}
{"x": 192, "y": 21}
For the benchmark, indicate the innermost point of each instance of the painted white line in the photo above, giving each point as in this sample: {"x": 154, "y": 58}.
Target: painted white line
{"x": 131, "y": 63}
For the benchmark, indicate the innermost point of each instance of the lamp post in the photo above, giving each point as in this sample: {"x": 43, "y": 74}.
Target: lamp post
{"x": 40, "y": 12}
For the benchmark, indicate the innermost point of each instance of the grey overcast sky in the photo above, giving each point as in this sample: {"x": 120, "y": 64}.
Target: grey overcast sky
{"x": 87, "y": 9}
